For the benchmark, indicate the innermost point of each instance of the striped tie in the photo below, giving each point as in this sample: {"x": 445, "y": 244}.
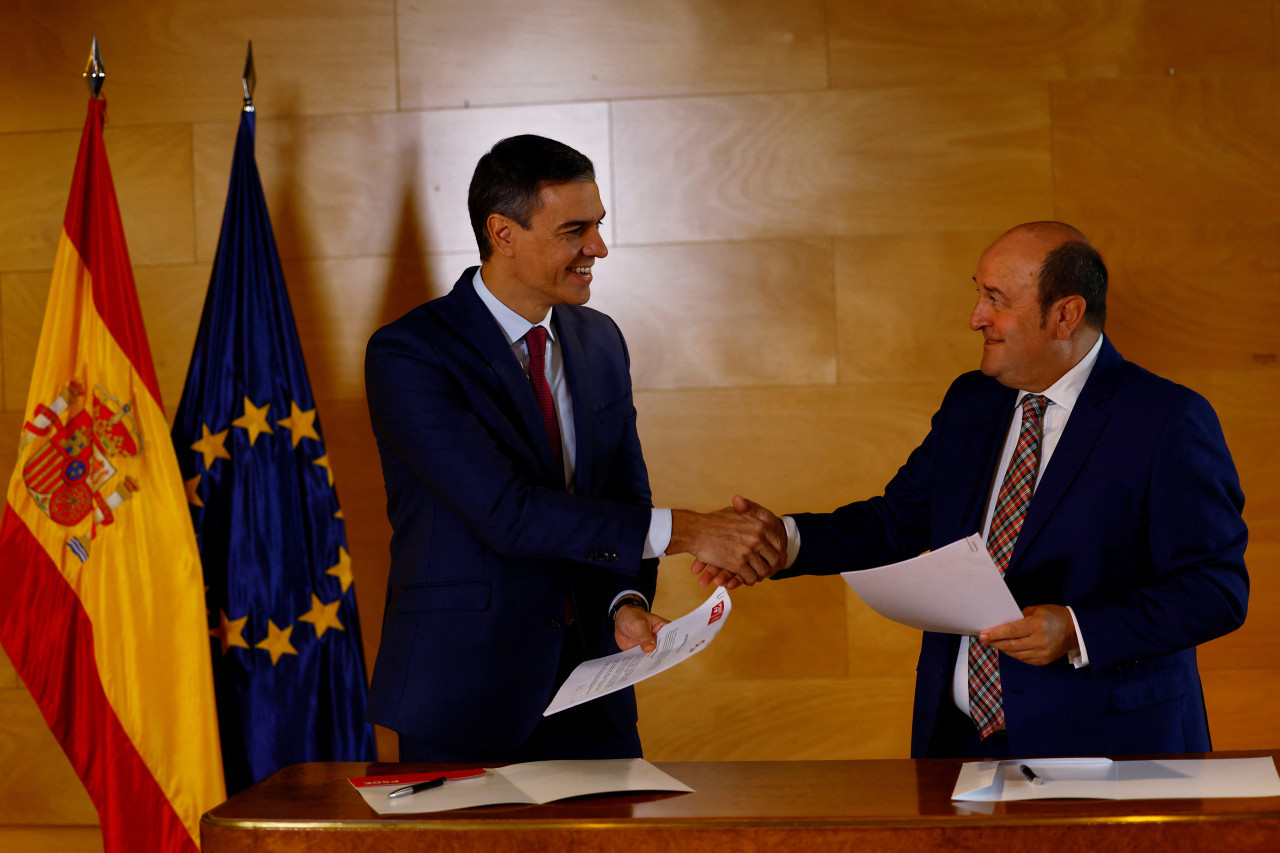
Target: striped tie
{"x": 985, "y": 703}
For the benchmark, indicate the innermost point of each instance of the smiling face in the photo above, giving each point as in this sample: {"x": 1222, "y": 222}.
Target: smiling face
{"x": 552, "y": 260}
{"x": 1020, "y": 349}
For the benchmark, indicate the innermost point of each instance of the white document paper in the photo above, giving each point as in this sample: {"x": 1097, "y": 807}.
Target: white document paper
{"x": 953, "y": 590}
{"x": 1103, "y": 779}
{"x": 534, "y": 782}
{"x": 677, "y": 640}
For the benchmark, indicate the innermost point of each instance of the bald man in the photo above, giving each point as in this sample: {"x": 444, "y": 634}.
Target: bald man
{"x": 1120, "y": 529}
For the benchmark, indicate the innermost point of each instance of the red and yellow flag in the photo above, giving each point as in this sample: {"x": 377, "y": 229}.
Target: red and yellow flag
{"x": 103, "y": 609}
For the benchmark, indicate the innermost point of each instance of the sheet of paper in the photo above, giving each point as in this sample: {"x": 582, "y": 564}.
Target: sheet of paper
{"x": 952, "y": 590}
{"x": 516, "y": 784}
{"x": 1103, "y": 779}
{"x": 677, "y": 640}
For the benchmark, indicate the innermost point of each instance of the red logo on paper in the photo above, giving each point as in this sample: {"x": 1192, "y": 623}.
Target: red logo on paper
{"x": 716, "y": 613}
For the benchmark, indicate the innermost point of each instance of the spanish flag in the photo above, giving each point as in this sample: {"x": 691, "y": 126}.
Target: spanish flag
{"x": 103, "y": 609}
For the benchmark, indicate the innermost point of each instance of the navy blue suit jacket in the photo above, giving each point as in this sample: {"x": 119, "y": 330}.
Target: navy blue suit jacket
{"x": 1136, "y": 524}
{"x": 487, "y": 543}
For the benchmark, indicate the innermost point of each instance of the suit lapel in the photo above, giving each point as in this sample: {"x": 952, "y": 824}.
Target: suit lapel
{"x": 582, "y": 388}
{"x": 1087, "y": 421}
{"x": 465, "y": 312}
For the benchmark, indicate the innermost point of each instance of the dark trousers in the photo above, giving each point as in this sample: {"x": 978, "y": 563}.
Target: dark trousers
{"x": 956, "y": 736}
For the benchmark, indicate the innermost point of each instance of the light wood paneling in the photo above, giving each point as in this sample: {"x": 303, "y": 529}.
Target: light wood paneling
{"x": 59, "y": 839}
{"x": 890, "y": 43}
{"x": 35, "y": 768}
{"x": 769, "y": 720}
{"x": 723, "y": 314}
{"x": 502, "y": 51}
{"x": 1241, "y": 707}
{"x": 834, "y": 162}
{"x": 151, "y": 170}
{"x": 883, "y": 335}
{"x": 181, "y": 60}
{"x": 1193, "y": 297}
{"x": 1190, "y": 148}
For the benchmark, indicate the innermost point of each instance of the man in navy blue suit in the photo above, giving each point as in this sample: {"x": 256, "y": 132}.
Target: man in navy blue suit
{"x": 524, "y": 539}
{"x": 1130, "y": 551}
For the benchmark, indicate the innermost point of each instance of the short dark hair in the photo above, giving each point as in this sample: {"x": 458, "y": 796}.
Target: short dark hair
{"x": 1075, "y": 269}
{"x": 509, "y": 180}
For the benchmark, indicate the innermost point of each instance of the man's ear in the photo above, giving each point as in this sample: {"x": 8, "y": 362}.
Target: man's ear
{"x": 1066, "y": 315}
{"x": 501, "y": 233}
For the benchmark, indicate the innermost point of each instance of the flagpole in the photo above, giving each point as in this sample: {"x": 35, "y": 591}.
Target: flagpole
{"x": 94, "y": 73}
{"x": 249, "y": 79}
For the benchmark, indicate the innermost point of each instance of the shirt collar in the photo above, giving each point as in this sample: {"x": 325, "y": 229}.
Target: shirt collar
{"x": 513, "y": 325}
{"x": 1066, "y": 390}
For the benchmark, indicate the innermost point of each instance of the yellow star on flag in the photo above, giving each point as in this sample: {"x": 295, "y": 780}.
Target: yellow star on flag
{"x": 193, "y": 496}
{"x": 254, "y": 420}
{"x": 322, "y": 616}
{"x": 323, "y": 462}
{"x": 342, "y": 571}
{"x": 277, "y": 642}
{"x": 299, "y": 423}
{"x": 212, "y": 445}
{"x": 230, "y": 632}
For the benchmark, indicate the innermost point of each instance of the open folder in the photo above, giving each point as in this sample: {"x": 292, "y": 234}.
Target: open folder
{"x": 1104, "y": 779}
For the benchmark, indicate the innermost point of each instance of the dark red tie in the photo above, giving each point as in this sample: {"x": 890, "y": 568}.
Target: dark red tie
{"x": 986, "y": 702}
{"x": 536, "y": 340}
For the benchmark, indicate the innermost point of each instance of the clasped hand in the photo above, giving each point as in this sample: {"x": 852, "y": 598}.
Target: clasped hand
{"x": 741, "y": 544}
{"x": 1045, "y": 633}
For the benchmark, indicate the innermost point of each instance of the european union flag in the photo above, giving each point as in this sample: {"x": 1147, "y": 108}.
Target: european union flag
{"x": 287, "y": 658}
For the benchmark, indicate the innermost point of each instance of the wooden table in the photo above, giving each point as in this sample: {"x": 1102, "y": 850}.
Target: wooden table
{"x": 897, "y": 805}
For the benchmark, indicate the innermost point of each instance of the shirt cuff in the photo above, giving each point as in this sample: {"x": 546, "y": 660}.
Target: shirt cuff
{"x": 1079, "y": 657}
{"x": 793, "y": 539}
{"x": 624, "y": 594}
{"x": 659, "y": 537}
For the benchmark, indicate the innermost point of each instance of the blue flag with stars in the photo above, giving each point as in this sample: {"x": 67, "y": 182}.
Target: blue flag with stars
{"x": 288, "y": 662}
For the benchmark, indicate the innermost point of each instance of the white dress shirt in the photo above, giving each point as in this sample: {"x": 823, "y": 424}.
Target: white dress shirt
{"x": 515, "y": 328}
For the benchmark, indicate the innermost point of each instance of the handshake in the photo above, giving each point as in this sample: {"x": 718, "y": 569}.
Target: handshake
{"x": 732, "y": 547}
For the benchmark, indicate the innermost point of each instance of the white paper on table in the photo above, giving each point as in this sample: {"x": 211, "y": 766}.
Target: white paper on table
{"x": 1103, "y": 779}
{"x": 956, "y": 589}
{"x": 677, "y": 640}
{"x": 530, "y": 783}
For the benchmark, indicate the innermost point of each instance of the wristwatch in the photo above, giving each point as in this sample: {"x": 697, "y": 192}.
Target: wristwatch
{"x": 627, "y": 601}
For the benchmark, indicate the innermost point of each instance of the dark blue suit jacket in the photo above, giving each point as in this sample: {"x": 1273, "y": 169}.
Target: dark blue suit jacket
{"x": 1136, "y": 524}
{"x": 487, "y": 543}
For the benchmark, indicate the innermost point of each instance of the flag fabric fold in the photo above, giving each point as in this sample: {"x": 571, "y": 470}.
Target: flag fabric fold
{"x": 287, "y": 654}
{"x": 103, "y": 615}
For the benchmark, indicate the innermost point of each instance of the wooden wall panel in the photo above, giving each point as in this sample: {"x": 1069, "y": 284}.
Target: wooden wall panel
{"x": 457, "y": 54}
{"x": 1190, "y": 148}
{"x": 60, "y": 839}
{"x": 35, "y": 766}
{"x": 926, "y": 337}
{"x": 832, "y": 162}
{"x": 723, "y": 314}
{"x": 1193, "y": 297}
{"x": 771, "y": 719}
{"x": 182, "y": 60}
{"x": 890, "y": 43}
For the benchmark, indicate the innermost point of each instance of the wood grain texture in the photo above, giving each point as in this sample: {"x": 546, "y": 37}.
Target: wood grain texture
{"x": 885, "y": 336}
{"x": 713, "y": 315}
{"x": 891, "y": 43}
{"x": 1198, "y": 297}
{"x": 182, "y": 60}
{"x": 503, "y": 52}
{"x": 1181, "y": 149}
{"x": 766, "y": 719}
{"x": 836, "y": 162}
{"x": 51, "y": 839}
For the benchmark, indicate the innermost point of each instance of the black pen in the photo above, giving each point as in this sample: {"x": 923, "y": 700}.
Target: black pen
{"x": 417, "y": 786}
{"x": 1026, "y": 771}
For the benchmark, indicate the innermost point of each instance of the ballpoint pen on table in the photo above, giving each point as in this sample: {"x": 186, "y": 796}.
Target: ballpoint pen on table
{"x": 1030, "y": 775}
{"x": 416, "y": 787}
